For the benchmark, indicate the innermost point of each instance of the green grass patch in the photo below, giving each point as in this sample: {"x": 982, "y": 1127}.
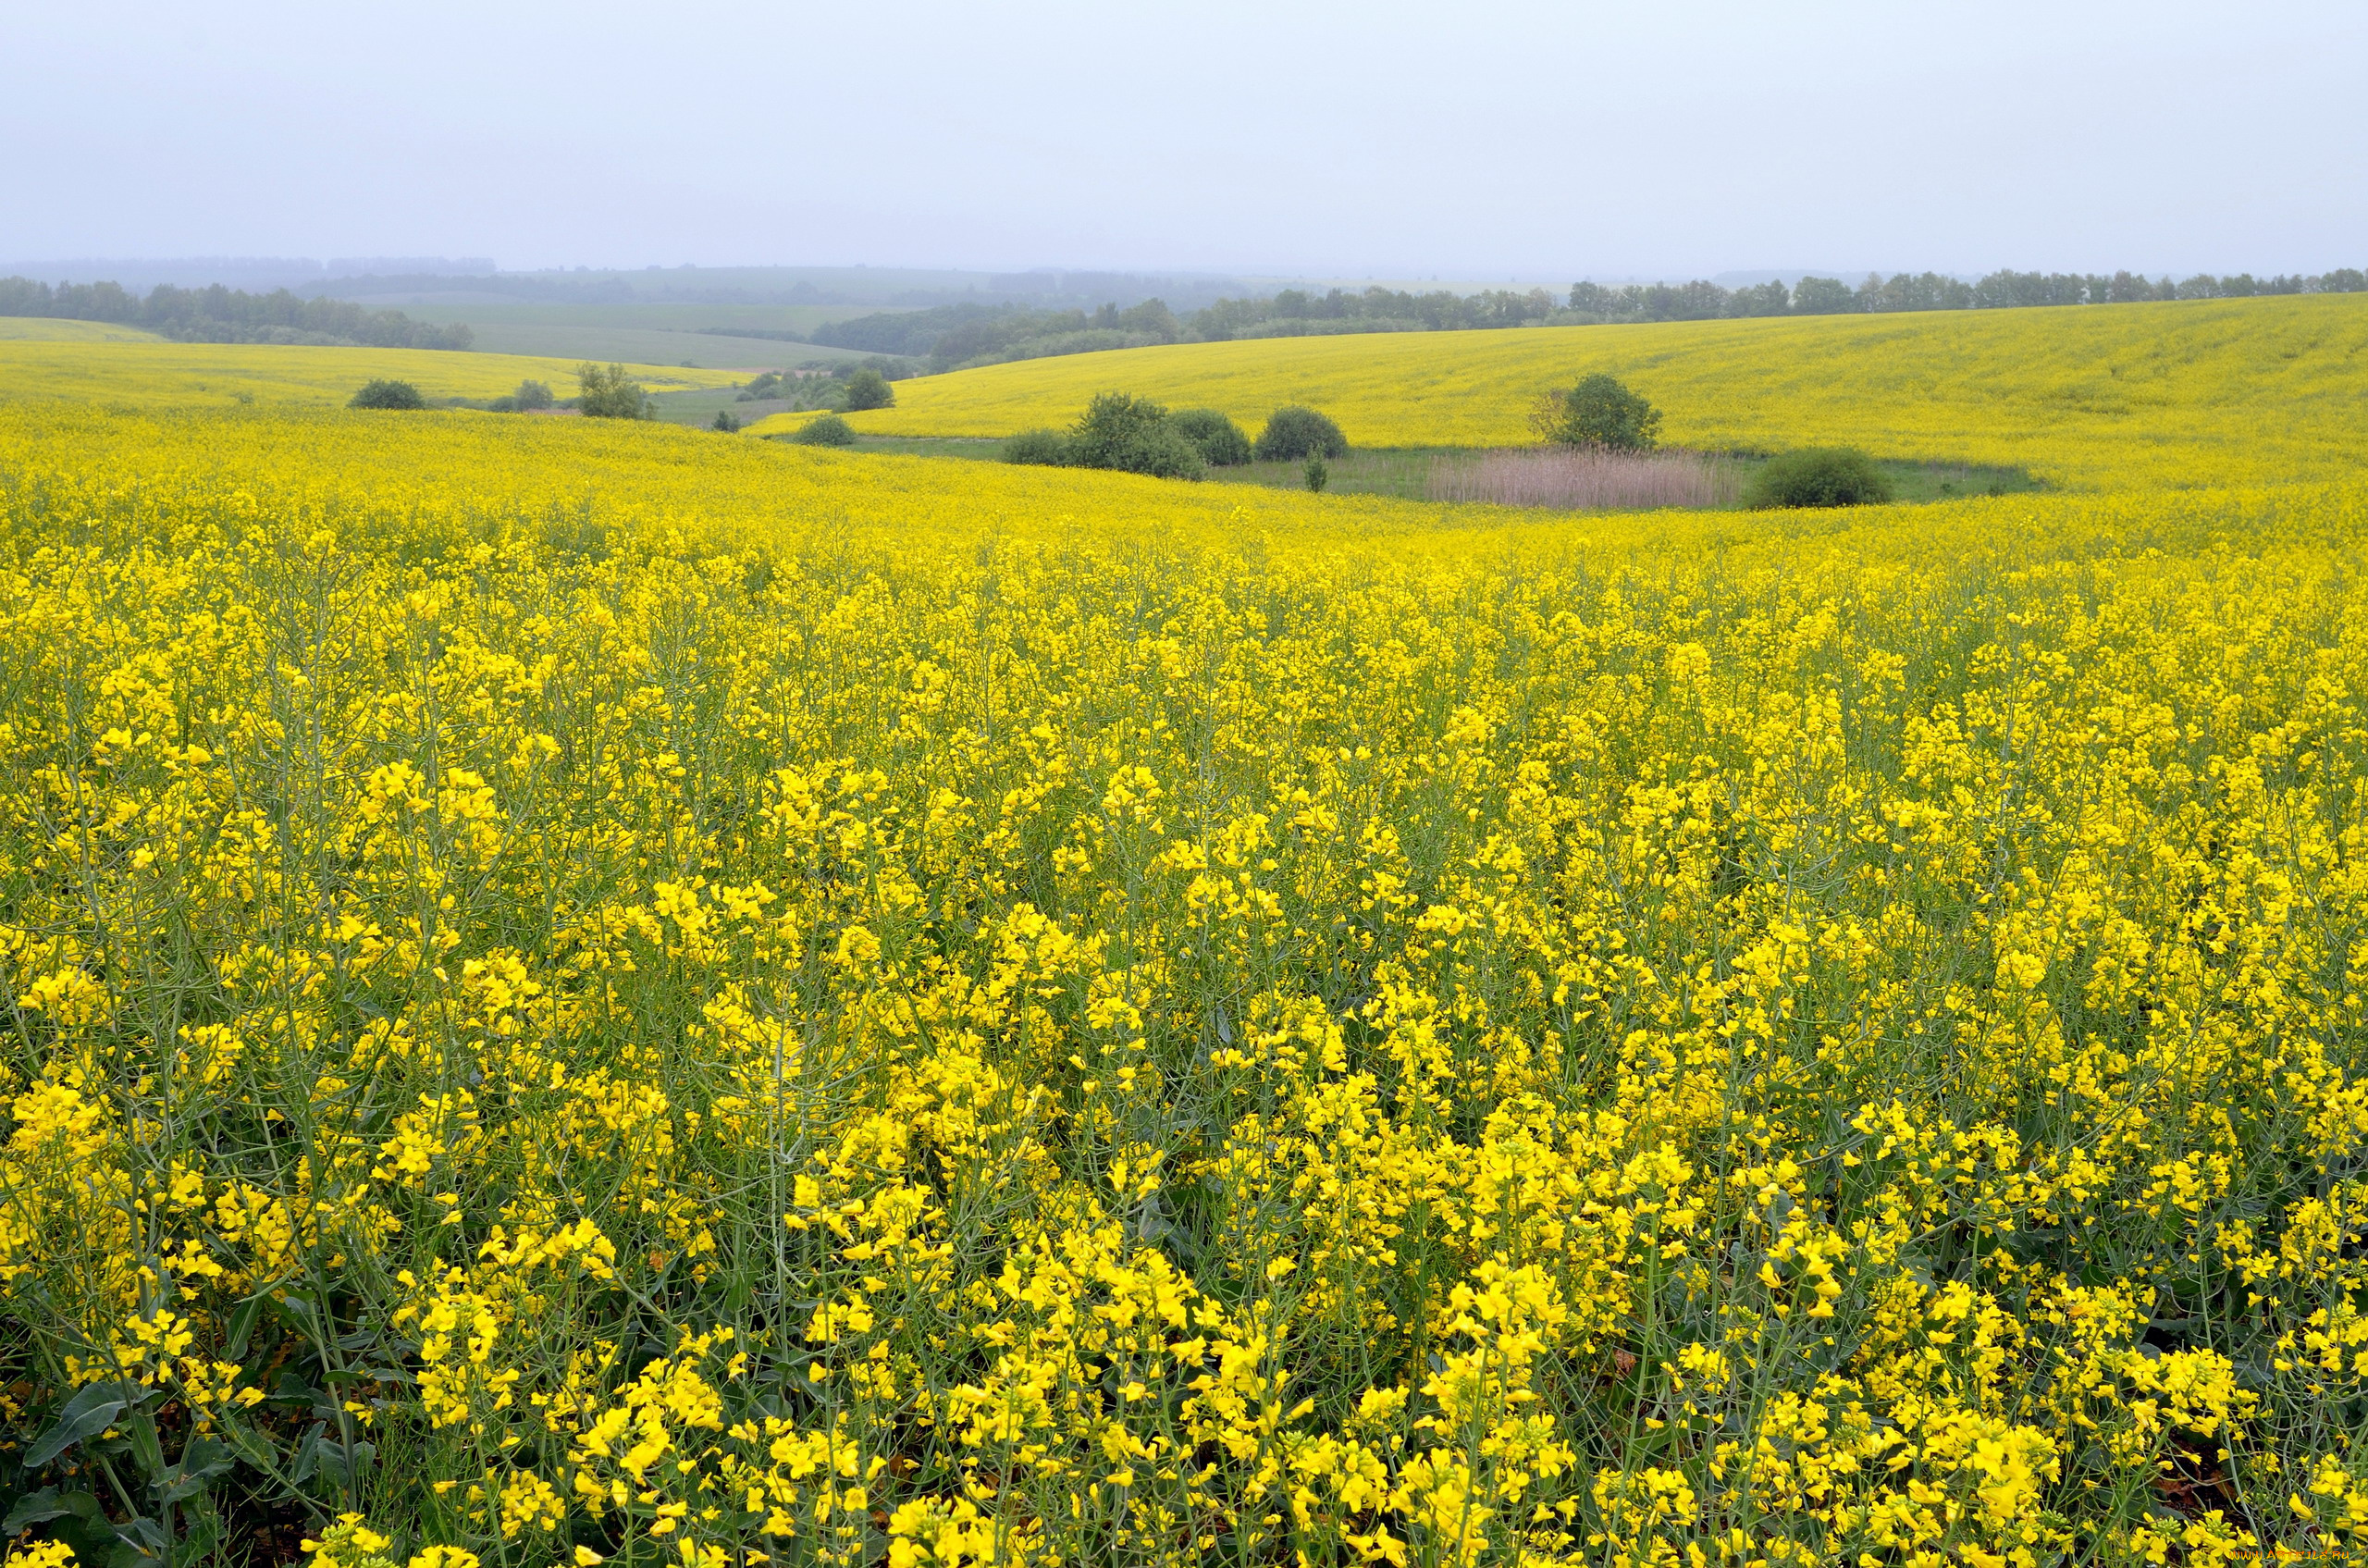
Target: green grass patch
{"x": 1405, "y": 472}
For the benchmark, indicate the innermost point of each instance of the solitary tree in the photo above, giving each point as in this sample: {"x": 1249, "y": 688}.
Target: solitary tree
{"x": 830, "y": 430}
{"x": 1293, "y": 433}
{"x": 384, "y": 393}
{"x": 1819, "y": 477}
{"x": 868, "y": 388}
{"x": 1598, "y": 412}
{"x": 611, "y": 394}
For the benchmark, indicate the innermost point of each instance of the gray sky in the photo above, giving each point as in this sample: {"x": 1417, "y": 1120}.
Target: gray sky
{"x": 1497, "y": 138}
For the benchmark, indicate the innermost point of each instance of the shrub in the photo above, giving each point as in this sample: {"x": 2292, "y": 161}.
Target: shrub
{"x": 1217, "y": 437}
{"x": 1111, "y": 423}
{"x": 1049, "y": 448}
{"x": 1317, "y": 474}
{"x": 726, "y": 421}
{"x": 383, "y": 393}
{"x": 868, "y": 388}
{"x": 1819, "y": 477}
{"x": 1598, "y": 412}
{"x": 1293, "y": 433}
{"x": 1164, "y": 453}
{"x": 531, "y": 394}
{"x": 611, "y": 394}
{"x": 1119, "y": 430}
{"x": 830, "y": 430}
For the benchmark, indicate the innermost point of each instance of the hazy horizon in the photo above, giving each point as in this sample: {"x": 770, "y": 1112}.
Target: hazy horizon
{"x": 1515, "y": 141}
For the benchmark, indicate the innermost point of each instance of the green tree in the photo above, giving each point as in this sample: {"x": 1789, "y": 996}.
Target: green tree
{"x": 830, "y": 430}
{"x": 1598, "y": 412}
{"x": 532, "y": 394}
{"x": 868, "y": 388}
{"x": 1823, "y": 296}
{"x": 1047, "y": 448}
{"x": 1818, "y": 476}
{"x": 1293, "y": 433}
{"x": 1219, "y": 439}
{"x": 1122, "y": 431}
{"x": 611, "y": 394}
{"x": 385, "y": 393}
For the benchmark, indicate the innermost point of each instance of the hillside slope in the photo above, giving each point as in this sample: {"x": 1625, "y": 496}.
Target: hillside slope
{"x": 2173, "y": 393}
{"x": 158, "y": 375}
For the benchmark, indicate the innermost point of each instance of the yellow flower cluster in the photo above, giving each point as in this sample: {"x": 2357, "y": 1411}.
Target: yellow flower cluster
{"x": 2192, "y": 393}
{"x": 581, "y": 995}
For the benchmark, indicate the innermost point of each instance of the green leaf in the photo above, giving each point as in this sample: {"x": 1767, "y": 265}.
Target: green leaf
{"x": 40, "y": 1507}
{"x": 87, "y": 1414}
{"x": 242, "y": 1327}
{"x": 143, "y": 1541}
{"x": 200, "y": 1462}
{"x": 251, "y": 1445}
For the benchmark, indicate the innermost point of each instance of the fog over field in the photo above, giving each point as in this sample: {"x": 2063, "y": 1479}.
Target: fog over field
{"x": 1510, "y": 140}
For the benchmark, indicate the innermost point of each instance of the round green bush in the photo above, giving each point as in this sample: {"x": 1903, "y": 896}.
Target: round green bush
{"x": 1818, "y": 476}
{"x": 1220, "y": 440}
{"x": 1047, "y": 448}
{"x": 1294, "y": 433}
{"x": 1160, "y": 451}
{"x": 828, "y": 431}
{"x": 868, "y": 388}
{"x": 384, "y": 393}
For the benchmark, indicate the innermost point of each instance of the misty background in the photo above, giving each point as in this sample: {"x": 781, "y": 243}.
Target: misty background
{"x": 1479, "y": 144}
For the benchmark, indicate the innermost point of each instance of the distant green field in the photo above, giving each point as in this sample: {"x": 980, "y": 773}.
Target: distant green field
{"x": 640, "y": 334}
{"x": 641, "y": 345}
{"x": 477, "y": 308}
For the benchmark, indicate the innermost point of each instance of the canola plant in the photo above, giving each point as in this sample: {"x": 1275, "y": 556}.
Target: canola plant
{"x": 584, "y": 993}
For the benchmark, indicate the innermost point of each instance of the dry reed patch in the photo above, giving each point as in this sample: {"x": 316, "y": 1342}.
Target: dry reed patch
{"x": 1580, "y": 481}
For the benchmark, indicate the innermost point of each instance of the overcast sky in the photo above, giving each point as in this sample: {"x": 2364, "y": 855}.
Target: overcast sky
{"x": 1490, "y": 139}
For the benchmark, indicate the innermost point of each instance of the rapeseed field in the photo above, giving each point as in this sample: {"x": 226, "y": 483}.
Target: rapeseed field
{"x": 93, "y": 363}
{"x": 580, "y": 993}
{"x": 41, "y": 329}
{"x": 2201, "y": 393}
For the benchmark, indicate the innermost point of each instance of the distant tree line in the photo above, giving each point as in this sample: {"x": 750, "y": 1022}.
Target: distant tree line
{"x": 955, "y": 337}
{"x": 950, "y": 337}
{"x": 219, "y": 314}
{"x": 958, "y": 335}
{"x": 1293, "y": 313}
{"x": 842, "y": 388}
{"x": 1926, "y": 290}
